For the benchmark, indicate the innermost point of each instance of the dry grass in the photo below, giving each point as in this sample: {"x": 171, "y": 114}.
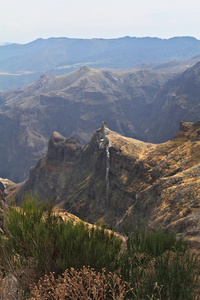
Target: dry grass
{"x": 129, "y": 146}
{"x": 80, "y": 285}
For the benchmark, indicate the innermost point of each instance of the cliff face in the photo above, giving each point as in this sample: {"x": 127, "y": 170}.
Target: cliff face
{"x": 178, "y": 99}
{"x": 123, "y": 182}
{"x": 52, "y": 174}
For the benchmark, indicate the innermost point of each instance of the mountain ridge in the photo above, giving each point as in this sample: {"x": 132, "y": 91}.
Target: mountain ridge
{"x": 74, "y": 105}
{"x": 143, "y": 104}
{"x": 58, "y": 56}
{"x": 123, "y": 182}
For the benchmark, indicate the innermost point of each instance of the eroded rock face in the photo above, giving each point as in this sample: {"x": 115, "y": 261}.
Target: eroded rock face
{"x": 185, "y": 126}
{"x": 52, "y": 174}
{"x": 178, "y": 99}
{"x": 124, "y": 182}
{"x": 61, "y": 149}
{"x": 56, "y": 147}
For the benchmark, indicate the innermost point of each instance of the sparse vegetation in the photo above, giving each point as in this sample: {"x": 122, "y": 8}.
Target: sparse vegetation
{"x": 51, "y": 259}
{"x": 80, "y": 285}
{"x": 158, "y": 265}
{"x": 37, "y": 240}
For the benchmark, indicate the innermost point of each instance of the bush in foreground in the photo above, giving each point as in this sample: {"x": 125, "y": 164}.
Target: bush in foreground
{"x": 155, "y": 265}
{"x": 80, "y": 285}
{"x": 39, "y": 243}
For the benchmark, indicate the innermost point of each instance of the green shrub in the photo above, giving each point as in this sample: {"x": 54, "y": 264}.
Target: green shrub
{"x": 155, "y": 264}
{"x": 35, "y": 236}
{"x": 159, "y": 267}
{"x": 78, "y": 246}
{"x": 155, "y": 242}
{"x": 175, "y": 272}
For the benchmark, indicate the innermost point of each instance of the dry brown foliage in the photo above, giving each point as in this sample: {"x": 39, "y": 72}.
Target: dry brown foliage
{"x": 80, "y": 285}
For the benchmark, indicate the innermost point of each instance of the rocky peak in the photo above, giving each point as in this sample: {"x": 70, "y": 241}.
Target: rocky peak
{"x": 56, "y": 147}
{"x": 72, "y": 149}
{"x": 105, "y": 144}
{"x": 84, "y": 69}
{"x": 185, "y": 126}
{"x": 61, "y": 149}
{"x": 43, "y": 80}
{"x": 104, "y": 141}
{"x": 189, "y": 130}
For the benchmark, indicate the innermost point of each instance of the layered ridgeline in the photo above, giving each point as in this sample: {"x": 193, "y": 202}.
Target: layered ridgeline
{"x": 21, "y": 64}
{"x": 74, "y": 105}
{"x": 122, "y": 182}
{"x": 142, "y": 104}
{"x": 178, "y": 99}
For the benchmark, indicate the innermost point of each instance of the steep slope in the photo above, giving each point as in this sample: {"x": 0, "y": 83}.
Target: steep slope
{"x": 141, "y": 104}
{"x": 124, "y": 182}
{"x": 20, "y": 63}
{"x": 178, "y": 99}
{"x": 74, "y": 105}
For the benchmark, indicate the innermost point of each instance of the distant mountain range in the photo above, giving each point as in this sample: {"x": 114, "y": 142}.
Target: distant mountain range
{"x": 21, "y": 64}
{"x": 5, "y": 44}
{"x": 142, "y": 104}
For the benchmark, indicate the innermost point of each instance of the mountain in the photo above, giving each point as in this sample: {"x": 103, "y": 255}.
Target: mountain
{"x": 171, "y": 67}
{"x": 74, "y": 105}
{"x": 141, "y": 104}
{"x": 122, "y": 182}
{"x": 178, "y": 99}
{"x": 21, "y": 64}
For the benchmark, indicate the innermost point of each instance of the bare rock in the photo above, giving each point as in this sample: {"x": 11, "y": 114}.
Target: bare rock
{"x": 10, "y": 289}
{"x": 61, "y": 149}
{"x": 185, "y": 126}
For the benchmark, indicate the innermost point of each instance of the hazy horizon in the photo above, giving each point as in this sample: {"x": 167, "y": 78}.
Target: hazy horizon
{"x": 96, "y": 38}
{"x": 30, "y": 20}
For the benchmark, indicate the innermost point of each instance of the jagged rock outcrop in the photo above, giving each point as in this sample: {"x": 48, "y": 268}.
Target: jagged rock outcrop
{"x": 52, "y": 174}
{"x": 124, "y": 182}
{"x": 61, "y": 149}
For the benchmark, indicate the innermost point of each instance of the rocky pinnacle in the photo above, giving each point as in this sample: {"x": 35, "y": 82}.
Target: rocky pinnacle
{"x": 105, "y": 144}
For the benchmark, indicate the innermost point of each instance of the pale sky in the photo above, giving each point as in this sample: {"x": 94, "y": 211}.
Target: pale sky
{"x": 22, "y": 21}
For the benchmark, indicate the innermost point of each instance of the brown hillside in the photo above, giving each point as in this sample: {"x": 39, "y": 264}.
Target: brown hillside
{"x": 123, "y": 182}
